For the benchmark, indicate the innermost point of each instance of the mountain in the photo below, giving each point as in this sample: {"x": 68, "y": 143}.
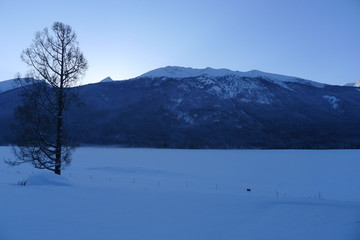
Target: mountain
{"x": 12, "y": 84}
{"x": 353, "y": 84}
{"x": 182, "y": 72}
{"x": 208, "y": 108}
{"x": 8, "y": 85}
{"x": 108, "y": 79}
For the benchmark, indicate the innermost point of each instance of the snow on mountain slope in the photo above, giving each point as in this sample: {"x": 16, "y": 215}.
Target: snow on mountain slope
{"x": 182, "y": 72}
{"x": 232, "y": 86}
{"x": 8, "y": 85}
{"x": 333, "y": 101}
{"x": 12, "y": 84}
{"x": 353, "y": 84}
{"x": 108, "y": 79}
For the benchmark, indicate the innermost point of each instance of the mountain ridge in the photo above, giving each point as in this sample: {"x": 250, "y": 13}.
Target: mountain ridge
{"x": 185, "y": 72}
{"x": 219, "y": 112}
{"x": 228, "y": 111}
{"x": 353, "y": 84}
{"x": 10, "y": 84}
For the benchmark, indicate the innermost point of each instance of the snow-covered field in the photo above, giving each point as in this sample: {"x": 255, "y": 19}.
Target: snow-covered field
{"x": 115, "y": 193}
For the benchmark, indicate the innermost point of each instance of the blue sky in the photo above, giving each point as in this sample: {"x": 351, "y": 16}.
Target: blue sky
{"x": 313, "y": 39}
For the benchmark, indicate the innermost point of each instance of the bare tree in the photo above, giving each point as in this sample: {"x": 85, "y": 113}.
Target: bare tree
{"x": 55, "y": 59}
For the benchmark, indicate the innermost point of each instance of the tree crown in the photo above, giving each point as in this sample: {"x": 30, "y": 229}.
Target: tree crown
{"x": 55, "y": 57}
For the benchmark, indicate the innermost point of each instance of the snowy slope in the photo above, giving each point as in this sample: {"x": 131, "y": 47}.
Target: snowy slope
{"x": 353, "y": 84}
{"x": 11, "y": 84}
{"x": 138, "y": 194}
{"x": 182, "y": 72}
{"x": 8, "y": 85}
{"x": 107, "y": 79}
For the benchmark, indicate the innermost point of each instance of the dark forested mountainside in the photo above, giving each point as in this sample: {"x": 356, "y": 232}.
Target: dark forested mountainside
{"x": 208, "y": 112}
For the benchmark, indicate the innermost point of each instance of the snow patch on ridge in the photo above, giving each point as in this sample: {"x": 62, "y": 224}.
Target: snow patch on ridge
{"x": 232, "y": 86}
{"x": 353, "y": 84}
{"x": 334, "y": 101}
{"x": 185, "y": 117}
{"x": 108, "y": 79}
{"x": 7, "y": 85}
{"x": 14, "y": 83}
{"x": 182, "y": 72}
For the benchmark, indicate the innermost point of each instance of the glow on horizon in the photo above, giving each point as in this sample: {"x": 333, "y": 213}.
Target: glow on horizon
{"x": 315, "y": 40}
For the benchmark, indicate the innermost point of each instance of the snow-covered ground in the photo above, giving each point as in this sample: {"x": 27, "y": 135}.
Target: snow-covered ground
{"x": 116, "y": 193}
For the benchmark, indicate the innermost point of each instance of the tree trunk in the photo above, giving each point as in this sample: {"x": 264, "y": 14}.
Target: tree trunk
{"x": 59, "y": 131}
{"x": 58, "y": 144}
{"x": 60, "y": 102}
{"x": 57, "y": 169}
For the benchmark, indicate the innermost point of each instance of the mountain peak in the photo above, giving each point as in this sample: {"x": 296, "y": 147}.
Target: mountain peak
{"x": 186, "y": 72}
{"x": 353, "y": 84}
{"x": 107, "y": 79}
{"x": 14, "y": 83}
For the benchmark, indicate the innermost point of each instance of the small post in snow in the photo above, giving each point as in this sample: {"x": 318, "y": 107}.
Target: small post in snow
{"x": 320, "y": 196}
